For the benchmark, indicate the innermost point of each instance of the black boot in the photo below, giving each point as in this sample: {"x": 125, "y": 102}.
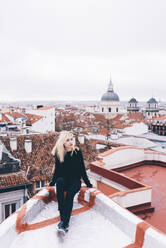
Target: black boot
{"x": 60, "y": 224}
{"x": 62, "y": 229}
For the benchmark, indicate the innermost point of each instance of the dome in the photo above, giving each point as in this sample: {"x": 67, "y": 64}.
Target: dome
{"x": 133, "y": 100}
{"x": 152, "y": 100}
{"x": 110, "y": 96}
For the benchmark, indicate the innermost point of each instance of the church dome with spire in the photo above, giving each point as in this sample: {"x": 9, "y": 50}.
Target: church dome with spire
{"x": 110, "y": 102}
{"x": 110, "y": 95}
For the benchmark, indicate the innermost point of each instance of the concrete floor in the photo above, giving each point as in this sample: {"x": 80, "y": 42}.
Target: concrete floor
{"x": 87, "y": 229}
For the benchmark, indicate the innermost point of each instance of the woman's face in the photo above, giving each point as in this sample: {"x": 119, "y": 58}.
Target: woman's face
{"x": 69, "y": 143}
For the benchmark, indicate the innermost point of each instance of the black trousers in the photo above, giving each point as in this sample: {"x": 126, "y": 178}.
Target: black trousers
{"x": 65, "y": 204}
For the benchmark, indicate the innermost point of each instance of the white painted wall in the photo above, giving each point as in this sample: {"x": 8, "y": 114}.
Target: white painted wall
{"x": 9, "y": 197}
{"x": 129, "y": 199}
{"x": 10, "y": 118}
{"x": 123, "y": 157}
{"x": 28, "y": 145}
{"x": 110, "y": 104}
{"x": 127, "y": 156}
{"x": 81, "y": 138}
{"x": 47, "y": 123}
{"x": 13, "y": 144}
{"x": 134, "y": 198}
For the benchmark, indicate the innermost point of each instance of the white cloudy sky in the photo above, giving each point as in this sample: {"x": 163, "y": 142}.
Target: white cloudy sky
{"x": 66, "y": 49}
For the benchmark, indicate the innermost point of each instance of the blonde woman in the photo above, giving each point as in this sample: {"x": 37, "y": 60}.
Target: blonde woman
{"x": 69, "y": 169}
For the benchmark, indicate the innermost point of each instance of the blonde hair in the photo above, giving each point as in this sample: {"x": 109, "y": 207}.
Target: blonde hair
{"x": 59, "y": 148}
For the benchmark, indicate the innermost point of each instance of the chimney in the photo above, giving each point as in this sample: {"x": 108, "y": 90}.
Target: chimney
{"x": 28, "y": 145}
{"x": 13, "y": 143}
{"x": 74, "y": 140}
{"x": 81, "y": 138}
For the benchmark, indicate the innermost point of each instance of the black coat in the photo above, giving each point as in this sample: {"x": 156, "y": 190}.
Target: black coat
{"x": 71, "y": 169}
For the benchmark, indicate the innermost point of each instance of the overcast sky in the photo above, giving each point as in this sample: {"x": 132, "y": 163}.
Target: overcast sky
{"x": 66, "y": 49}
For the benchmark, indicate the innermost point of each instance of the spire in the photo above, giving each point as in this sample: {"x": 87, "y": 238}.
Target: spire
{"x": 110, "y": 86}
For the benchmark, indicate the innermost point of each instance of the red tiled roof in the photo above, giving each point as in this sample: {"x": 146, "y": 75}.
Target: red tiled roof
{"x": 135, "y": 116}
{"x": 32, "y": 118}
{"x": 13, "y": 179}
{"x": 103, "y": 132}
{"x": 81, "y": 124}
{"x": 40, "y": 162}
{"x": 160, "y": 118}
{"x": 117, "y": 117}
{"x": 4, "y": 119}
{"x": 15, "y": 115}
{"x": 120, "y": 125}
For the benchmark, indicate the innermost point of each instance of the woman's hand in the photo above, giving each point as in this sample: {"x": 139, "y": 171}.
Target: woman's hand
{"x": 89, "y": 185}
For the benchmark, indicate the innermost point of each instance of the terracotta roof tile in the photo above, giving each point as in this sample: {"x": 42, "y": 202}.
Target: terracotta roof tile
{"x": 160, "y": 118}
{"x": 40, "y": 163}
{"x": 4, "y": 119}
{"x": 12, "y": 179}
{"x": 135, "y": 116}
{"x": 31, "y": 119}
{"x": 16, "y": 115}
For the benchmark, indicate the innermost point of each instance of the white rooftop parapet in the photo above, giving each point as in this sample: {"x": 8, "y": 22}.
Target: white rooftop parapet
{"x": 130, "y": 224}
{"x": 154, "y": 239}
{"x": 133, "y": 197}
{"x": 20, "y": 229}
{"x": 123, "y": 156}
{"x": 127, "y": 155}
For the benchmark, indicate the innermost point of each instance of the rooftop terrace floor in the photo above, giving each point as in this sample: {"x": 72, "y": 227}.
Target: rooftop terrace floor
{"x": 87, "y": 229}
{"x": 154, "y": 176}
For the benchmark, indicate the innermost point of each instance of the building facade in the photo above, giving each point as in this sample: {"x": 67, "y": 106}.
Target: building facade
{"x": 47, "y": 122}
{"x": 110, "y": 102}
{"x": 133, "y": 106}
{"x": 152, "y": 109}
{"x": 13, "y": 184}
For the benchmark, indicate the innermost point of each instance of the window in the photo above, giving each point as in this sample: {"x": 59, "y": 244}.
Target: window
{"x": 9, "y": 208}
{"x": 102, "y": 109}
{"x": 40, "y": 184}
{"x": 116, "y": 109}
{"x": 37, "y": 184}
{"x": 109, "y": 109}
